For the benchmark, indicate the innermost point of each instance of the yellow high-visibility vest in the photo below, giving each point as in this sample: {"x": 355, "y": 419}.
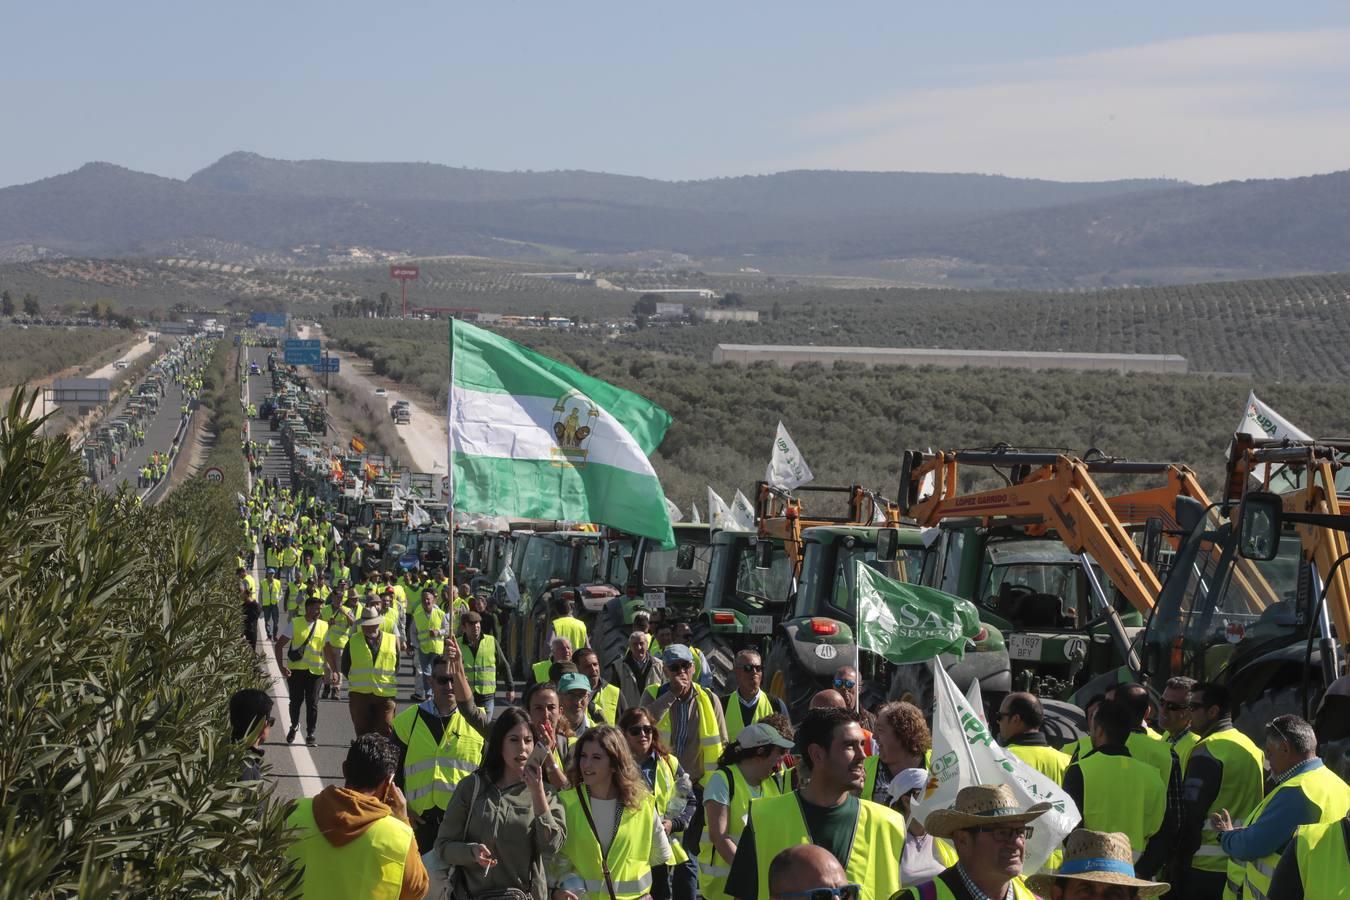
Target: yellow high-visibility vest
{"x": 481, "y": 666}
{"x": 573, "y": 629}
{"x": 312, "y": 661}
{"x": 1121, "y": 793}
{"x": 378, "y": 676}
{"x": 425, "y": 625}
{"x": 628, "y": 856}
{"x": 1326, "y": 791}
{"x": 370, "y": 866}
{"x": 712, "y": 868}
{"x": 430, "y": 769}
{"x": 736, "y": 722}
{"x": 1322, "y": 861}
{"x": 1239, "y": 792}
{"x": 709, "y": 736}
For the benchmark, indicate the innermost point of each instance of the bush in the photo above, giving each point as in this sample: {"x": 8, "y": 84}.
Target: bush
{"x": 119, "y": 646}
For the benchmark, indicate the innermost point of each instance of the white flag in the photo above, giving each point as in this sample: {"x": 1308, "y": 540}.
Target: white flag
{"x": 787, "y": 469}
{"x": 743, "y": 511}
{"x": 417, "y": 517}
{"x": 719, "y": 514}
{"x": 1264, "y": 423}
{"x": 965, "y": 754}
{"x": 693, "y": 514}
{"x": 675, "y": 514}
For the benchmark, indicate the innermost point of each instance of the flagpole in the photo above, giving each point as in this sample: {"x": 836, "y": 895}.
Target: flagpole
{"x": 450, "y": 492}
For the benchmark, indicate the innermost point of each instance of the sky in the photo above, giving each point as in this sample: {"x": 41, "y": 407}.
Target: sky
{"x": 1197, "y": 90}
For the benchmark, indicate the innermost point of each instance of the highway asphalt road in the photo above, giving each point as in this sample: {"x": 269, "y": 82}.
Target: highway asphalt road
{"x": 159, "y": 436}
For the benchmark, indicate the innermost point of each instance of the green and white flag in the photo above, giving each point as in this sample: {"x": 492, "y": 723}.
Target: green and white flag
{"x": 530, "y": 437}
{"x": 909, "y": 623}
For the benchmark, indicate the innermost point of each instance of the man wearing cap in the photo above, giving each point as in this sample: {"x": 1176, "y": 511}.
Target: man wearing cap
{"x": 302, "y": 666}
{"x": 636, "y": 671}
{"x": 1225, "y": 770}
{"x": 748, "y": 703}
{"x": 371, "y": 665}
{"x": 483, "y": 662}
{"x": 687, "y": 715}
{"x": 1097, "y": 866}
{"x": 865, "y": 837}
{"x": 604, "y": 706}
{"x": 1305, "y": 792}
{"x": 574, "y": 695}
{"x": 1020, "y": 717}
{"x": 989, "y": 831}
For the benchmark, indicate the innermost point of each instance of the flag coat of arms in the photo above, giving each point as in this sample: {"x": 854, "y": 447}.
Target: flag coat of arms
{"x": 530, "y": 437}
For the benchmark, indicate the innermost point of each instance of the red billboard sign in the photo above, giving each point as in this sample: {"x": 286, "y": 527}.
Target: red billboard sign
{"x": 404, "y": 273}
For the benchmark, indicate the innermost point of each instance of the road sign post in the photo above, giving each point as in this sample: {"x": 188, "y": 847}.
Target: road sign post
{"x": 302, "y": 353}
{"x": 404, "y": 274}
{"x": 214, "y": 475}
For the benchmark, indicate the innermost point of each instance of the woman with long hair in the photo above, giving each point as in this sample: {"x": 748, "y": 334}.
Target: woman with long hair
{"x": 502, "y": 820}
{"x": 545, "y": 712}
{"x": 675, "y": 801}
{"x": 744, "y": 773}
{"x": 614, "y": 832}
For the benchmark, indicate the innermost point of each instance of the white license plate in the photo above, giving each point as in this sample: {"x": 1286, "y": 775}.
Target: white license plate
{"x": 654, "y": 599}
{"x": 761, "y": 624}
{"x": 1024, "y": 646}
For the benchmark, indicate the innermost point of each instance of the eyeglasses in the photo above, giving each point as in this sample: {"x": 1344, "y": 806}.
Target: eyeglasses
{"x": 1005, "y": 834}
{"x": 442, "y": 679}
{"x": 641, "y": 730}
{"x": 1180, "y": 707}
{"x": 847, "y": 892}
{"x": 846, "y": 684}
{"x": 748, "y": 667}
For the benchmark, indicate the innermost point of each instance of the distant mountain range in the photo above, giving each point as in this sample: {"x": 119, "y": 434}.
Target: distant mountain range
{"x": 983, "y": 228}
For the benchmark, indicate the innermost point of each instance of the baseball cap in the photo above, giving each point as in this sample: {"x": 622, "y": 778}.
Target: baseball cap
{"x": 574, "y": 681}
{"x": 677, "y": 653}
{"x": 762, "y": 735}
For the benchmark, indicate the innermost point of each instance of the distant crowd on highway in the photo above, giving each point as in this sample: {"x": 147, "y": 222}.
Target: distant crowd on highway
{"x": 638, "y": 780}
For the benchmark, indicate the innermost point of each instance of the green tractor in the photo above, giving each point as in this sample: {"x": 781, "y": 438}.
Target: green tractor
{"x": 817, "y": 635}
{"x": 546, "y": 564}
{"x": 642, "y": 575}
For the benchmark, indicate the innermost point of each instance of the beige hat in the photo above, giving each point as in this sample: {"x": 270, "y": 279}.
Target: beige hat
{"x": 981, "y": 805}
{"x": 1097, "y": 856}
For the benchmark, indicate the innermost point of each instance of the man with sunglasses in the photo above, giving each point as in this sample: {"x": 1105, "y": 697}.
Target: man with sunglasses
{"x": 808, "y": 872}
{"x": 1225, "y": 770}
{"x": 1305, "y": 792}
{"x": 1176, "y": 717}
{"x": 749, "y": 704}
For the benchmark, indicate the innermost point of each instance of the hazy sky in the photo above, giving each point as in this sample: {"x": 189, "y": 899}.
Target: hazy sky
{"x": 1194, "y": 89}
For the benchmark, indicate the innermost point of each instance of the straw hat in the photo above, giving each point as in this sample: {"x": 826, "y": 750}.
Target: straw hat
{"x": 981, "y": 805}
{"x": 1100, "y": 857}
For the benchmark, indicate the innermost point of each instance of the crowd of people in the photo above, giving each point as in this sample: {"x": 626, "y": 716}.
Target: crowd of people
{"x": 639, "y": 780}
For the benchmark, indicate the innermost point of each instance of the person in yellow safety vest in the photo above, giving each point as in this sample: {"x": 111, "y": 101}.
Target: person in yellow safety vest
{"x": 432, "y": 626}
{"x": 1020, "y": 717}
{"x": 1225, "y": 770}
{"x": 483, "y": 662}
{"x": 355, "y": 840}
{"x": 371, "y": 664}
{"x": 1176, "y": 717}
{"x": 627, "y": 838}
{"x": 341, "y": 622}
{"x": 252, "y": 611}
{"x": 1148, "y": 746}
{"x": 688, "y": 716}
{"x": 541, "y": 702}
{"x": 560, "y": 651}
{"x": 438, "y": 748}
{"x": 604, "y": 705}
{"x": 867, "y": 838}
{"x": 271, "y": 602}
{"x": 743, "y": 774}
{"x": 989, "y": 832}
{"x": 662, "y": 637}
{"x": 1113, "y": 790}
{"x": 675, "y": 801}
{"x": 1316, "y": 866}
{"x": 302, "y": 666}
{"x": 1305, "y": 792}
{"x": 1095, "y": 865}
{"x": 290, "y": 558}
{"x": 392, "y": 618}
{"x": 748, "y": 703}
{"x": 682, "y": 633}
{"x": 567, "y": 625}
{"x": 1081, "y": 745}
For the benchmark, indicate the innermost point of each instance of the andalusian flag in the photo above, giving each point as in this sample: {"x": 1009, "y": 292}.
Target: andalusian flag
{"x": 533, "y": 438}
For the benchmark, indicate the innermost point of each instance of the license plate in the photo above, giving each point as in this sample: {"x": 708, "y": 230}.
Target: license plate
{"x": 761, "y": 624}
{"x": 1024, "y": 646}
{"x": 654, "y": 599}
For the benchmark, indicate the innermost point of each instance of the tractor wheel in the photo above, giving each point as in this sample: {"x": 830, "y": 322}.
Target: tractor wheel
{"x": 786, "y": 679}
{"x": 1252, "y": 716}
{"x": 609, "y": 637}
{"x": 718, "y": 655}
{"x": 1063, "y": 723}
{"x": 913, "y": 683}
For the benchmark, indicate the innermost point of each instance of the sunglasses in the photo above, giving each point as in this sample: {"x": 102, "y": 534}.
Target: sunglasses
{"x": 678, "y": 666}
{"x": 847, "y": 892}
{"x": 847, "y": 684}
{"x": 641, "y": 730}
{"x": 1177, "y": 707}
{"x": 1005, "y": 834}
{"x": 748, "y": 667}
{"x": 442, "y": 679}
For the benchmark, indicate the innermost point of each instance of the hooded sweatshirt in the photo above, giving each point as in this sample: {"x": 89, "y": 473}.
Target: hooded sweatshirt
{"x": 343, "y": 815}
